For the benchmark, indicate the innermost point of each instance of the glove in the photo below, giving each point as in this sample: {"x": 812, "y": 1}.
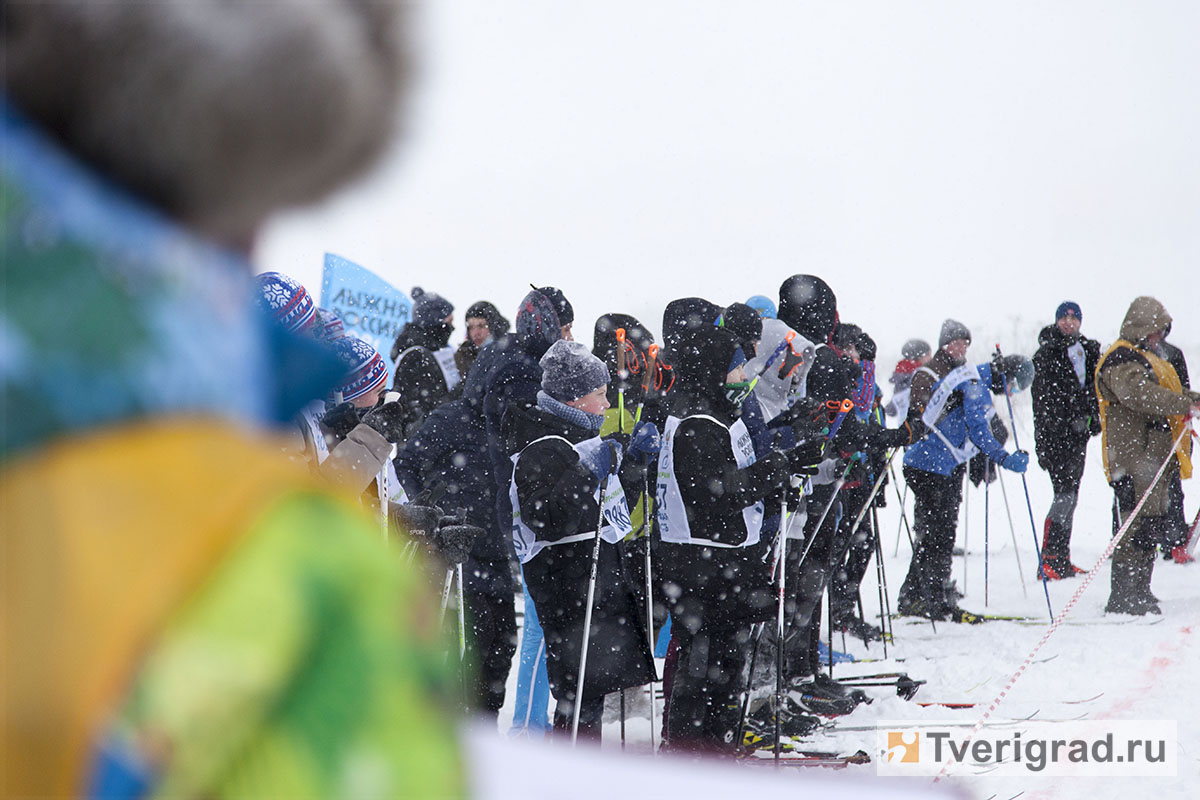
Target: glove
{"x": 644, "y": 444}
{"x": 604, "y": 460}
{"x": 341, "y": 419}
{"x": 1016, "y": 462}
{"x": 887, "y": 438}
{"x": 1094, "y": 426}
{"x": 388, "y": 420}
{"x": 454, "y": 540}
{"x": 804, "y": 458}
{"x": 417, "y": 520}
{"x": 829, "y": 471}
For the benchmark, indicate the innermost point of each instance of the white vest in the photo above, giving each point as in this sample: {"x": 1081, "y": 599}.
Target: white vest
{"x": 310, "y": 415}
{"x": 672, "y": 514}
{"x": 934, "y": 411}
{"x": 616, "y": 524}
{"x": 444, "y": 359}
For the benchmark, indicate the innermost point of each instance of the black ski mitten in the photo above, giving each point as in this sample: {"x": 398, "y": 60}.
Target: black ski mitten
{"x": 417, "y": 520}
{"x": 341, "y": 419}
{"x": 388, "y": 420}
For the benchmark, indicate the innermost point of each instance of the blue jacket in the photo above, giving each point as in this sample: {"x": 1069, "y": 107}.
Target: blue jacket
{"x": 968, "y": 415}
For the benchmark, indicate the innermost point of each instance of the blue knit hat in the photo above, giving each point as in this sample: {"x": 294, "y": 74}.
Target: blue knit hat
{"x": 739, "y": 358}
{"x": 1068, "y": 306}
{"x": 429, "y": 308}
{"x": 365, "y": 368}
{"x": 569, "y": 371}
{"x": 763, "y": 305}
{"x": 286, "y": 301}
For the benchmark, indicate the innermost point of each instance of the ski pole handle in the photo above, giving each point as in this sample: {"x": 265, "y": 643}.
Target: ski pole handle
{"x": 651, "y": 367}
{"x": 846, "y": 407}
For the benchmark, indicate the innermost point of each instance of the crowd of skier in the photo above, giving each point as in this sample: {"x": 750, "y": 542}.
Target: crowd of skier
{"x": 713, "y": 493}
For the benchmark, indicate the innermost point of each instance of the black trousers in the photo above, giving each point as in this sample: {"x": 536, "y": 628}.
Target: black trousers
{"x": 492, "y": 620}
{"x": 935, "y": 527}
{"x": 1066, "y": 472}
{"x": 706, "y": 688}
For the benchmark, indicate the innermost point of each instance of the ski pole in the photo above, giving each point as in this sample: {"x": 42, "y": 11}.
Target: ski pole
{"x": 462, "y": 615}
{"x": 587, "y": 615}
{"x": 986, "y": 469}
{"x": 647, "y": 530}
{"x": 966, "y": 524}
{"x": 779, "y": 636}
{"x": 1012, "y": 530}
{"x": 903, "y": 516}
{"x": 885, "y": 611}
{"x": 622, "y": 376}
{"x": 1024, "y": 483}
{"x": 449, "y": 583}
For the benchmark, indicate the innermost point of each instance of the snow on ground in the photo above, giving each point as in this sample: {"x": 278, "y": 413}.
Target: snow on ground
{"x": 1093, "y": 667}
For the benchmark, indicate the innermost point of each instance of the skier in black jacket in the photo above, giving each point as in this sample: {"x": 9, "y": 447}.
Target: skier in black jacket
{"x": 1065, "y": 415}
{"x": 448, "y": 453}
{"x": 423, "y": 359}
{"x": 560, "y": 466}
{"x": 715, "y": 574}
{"x": 809, "y": 306}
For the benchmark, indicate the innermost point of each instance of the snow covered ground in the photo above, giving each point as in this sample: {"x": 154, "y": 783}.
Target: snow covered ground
{"x": 1093, "y": 667}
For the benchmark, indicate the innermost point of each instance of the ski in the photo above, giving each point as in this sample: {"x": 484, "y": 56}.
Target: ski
{"x": 1120, "y": 619}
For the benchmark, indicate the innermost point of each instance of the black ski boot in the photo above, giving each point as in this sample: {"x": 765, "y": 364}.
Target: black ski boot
{"x": 853, "y": 625}
{"x": 820, "y": 695}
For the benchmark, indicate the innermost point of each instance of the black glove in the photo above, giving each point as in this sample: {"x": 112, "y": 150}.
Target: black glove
{"x": 341, "y": 419}
{"x": 852, "y": 436}
{"x": 454, "y": 539}
{"x": 1094, "y": 426}
{"x": 887, "y": 438}
{"x": 388, "y": 420}
{"x": 417, "y": 520}
{"x": 803, "y": 459}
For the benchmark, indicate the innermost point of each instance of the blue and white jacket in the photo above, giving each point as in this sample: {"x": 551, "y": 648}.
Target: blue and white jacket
{"x": 958, "y": 416}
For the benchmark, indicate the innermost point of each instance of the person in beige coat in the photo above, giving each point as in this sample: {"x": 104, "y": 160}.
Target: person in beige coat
{"x": 1144, "y": 411}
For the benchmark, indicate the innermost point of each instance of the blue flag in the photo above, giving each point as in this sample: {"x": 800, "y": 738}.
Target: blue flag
{"x": 370, "y": 307}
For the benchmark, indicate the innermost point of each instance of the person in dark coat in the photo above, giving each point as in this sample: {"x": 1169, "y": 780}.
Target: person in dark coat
{"x": 423, "y": 359}
{"x": 561, "y": 464}
{"x": 809, "y": 306}
{"x": 711, "y": 492}
{"x": 447, "y": 456}
{"x": 1066, "y": 415}
{"x": 485, "y": 324}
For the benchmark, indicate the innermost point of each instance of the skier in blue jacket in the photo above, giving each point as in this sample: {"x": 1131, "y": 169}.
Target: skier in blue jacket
{"x": 952, "y": 399}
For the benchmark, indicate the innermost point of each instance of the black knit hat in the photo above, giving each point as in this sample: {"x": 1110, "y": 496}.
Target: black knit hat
{"x": 429, "y": 308}
{"x": 562, "y": 306}
{"x": 745, "y": 323}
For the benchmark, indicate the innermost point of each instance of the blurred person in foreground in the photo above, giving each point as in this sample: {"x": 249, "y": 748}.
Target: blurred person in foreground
{"x": 187, "y": 613}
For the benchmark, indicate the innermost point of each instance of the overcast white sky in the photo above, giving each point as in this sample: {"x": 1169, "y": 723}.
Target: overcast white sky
{"x": 928, "y": 159}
